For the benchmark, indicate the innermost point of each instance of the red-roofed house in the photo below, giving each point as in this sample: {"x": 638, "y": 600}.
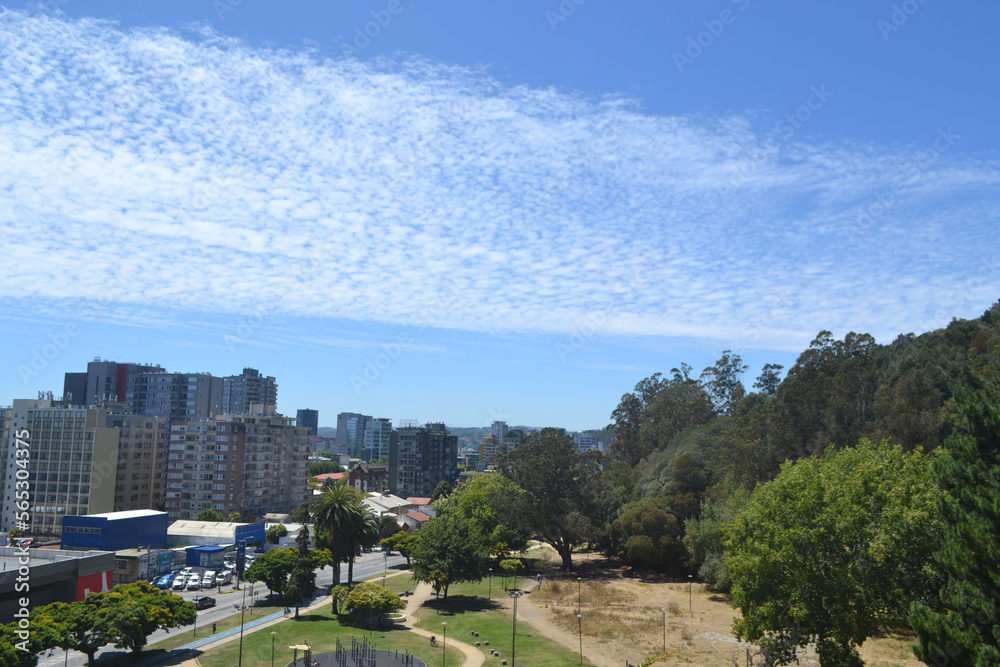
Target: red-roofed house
{"x": 414, "y": 520}
{"x": 335, "y": 476}
{"x": 419, "y": 502}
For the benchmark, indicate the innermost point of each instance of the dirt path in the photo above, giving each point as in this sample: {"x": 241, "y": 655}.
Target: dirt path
{"x": 530, "y": 614}
{"x": 473, "y": 656}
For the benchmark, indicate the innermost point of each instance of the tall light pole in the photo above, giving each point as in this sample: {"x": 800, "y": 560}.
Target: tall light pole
{"x": 691, "y": 595}
{"x": 664, "y": 610}
{"x": 243, "y": 608}
{"x": 579, "y": 618}
{"x": 579, "y": 595}
{"x": 272, "y": 647}
{"x": 444, "y": 644}
{"x": 491, "y": 585}
{"x": 513, "y": 639}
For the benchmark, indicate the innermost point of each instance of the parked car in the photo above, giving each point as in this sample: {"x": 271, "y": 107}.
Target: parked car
{"x": 209, "y": 579}
{"x": 224, "y": 577}
{"x": 187, "y": 572}
{"x": 203, "y": 602}
{"x": 180, "y": 583}
{"x": 166, "y": 581}
{"x": 194, "y": 583}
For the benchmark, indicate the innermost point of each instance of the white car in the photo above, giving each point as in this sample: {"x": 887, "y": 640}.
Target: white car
{"x": 194, "y": 583}
{"x": 209, "y": 579}
{"x": 180, "y": 583}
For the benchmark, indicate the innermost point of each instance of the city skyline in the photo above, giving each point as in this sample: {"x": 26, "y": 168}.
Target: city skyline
{"x": 466, "y": 214}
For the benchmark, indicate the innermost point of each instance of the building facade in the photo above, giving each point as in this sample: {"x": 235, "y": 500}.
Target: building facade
{"x": 243, "y": 394}
{"x": 378, "y": 439}
{"x": 309, "y": 419}
{"x": 71, "y": 465}
{"x": 251, "y": 464}
{"x": 420, "y": 458}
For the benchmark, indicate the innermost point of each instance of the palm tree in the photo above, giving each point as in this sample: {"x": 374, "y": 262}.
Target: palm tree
{"x": 363, "y": 534}
{"x": 336, "y": 512}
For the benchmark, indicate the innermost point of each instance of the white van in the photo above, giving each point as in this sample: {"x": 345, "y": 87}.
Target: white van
{"x": 224, "y": 577}
{"x": 208, "y": 580}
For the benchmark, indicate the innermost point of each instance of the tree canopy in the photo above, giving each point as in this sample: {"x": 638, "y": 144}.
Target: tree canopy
{"x": 449, "y": 549}
{"x": 209, "y": 514}
{"x": 831, "y": 550}
{"x": 560, "y": 489}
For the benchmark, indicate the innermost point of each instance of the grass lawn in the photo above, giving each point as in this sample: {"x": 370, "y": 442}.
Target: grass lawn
{"x": 181, "y": 636}
{"x": 469, "y": 609}
{"x": 321, "y": 629}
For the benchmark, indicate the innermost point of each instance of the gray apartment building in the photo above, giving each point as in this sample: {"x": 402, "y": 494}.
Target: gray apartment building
{"x": 420, "y": 458}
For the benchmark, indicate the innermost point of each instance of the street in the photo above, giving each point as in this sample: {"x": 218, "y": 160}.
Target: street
{"x": 228, "y": 602}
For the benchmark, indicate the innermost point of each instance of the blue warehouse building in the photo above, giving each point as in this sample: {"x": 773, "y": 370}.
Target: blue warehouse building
{"x": 115, "y": 531}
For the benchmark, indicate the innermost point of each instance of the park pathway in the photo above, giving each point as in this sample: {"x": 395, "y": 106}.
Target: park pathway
{"x": 473, "y": 656}
{"x": 533, "y": 616}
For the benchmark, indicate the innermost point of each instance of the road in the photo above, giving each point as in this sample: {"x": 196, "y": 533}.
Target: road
{"x": 228, "y": 602}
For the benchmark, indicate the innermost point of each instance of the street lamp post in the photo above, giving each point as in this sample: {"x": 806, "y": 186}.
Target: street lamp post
{"x": 272, "y": 647}
{"x": 691, "y": 595}
{"x": 491, "y": 585}
{"x": 579, "y": 595}
{"x": 243, "y": 608}
{"x": 579, "y": 618}
{"x": 513, "y": 640}
{"x": 444, "y": 644}
{"x": 664, "y": 610}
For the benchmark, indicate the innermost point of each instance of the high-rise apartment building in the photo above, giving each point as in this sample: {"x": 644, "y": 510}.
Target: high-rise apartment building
{"x": 72, "y": 463}
{"x": 378, "y": 439}
{"x": 174, "y": 396}
{"x": 251, "y": 464}
{"x": 245, "y": 394}
{"x": 497, "y": 429}
{"x": 309, "y": 419}
{"x": 104, "y": 381}
{"x": 422, "y": 457}
{"x": 351, "y": 428}
{"x": 139, "y": 477}
{"x": 493, "y": 447}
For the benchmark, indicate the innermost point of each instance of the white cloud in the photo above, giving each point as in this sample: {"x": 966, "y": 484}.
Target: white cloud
{"x": 219, "y": 177}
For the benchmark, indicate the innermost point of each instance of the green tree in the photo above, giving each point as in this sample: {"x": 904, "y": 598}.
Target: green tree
{"x": 478, "y": 500}
{"x": 648, "y": 535}
{"x": 272, "y": 568}
{"x": 81, "y": 625}
{"x": 723, "y": 382}
{"x": 387, "y": 526}
{"x": 274, "y": 534}
{"x": 324, "y": 467}
{"x": 134, "y": 611}
{"x": 833, "y": 549}
{"x": 371, "y": 601}
{"x": 209, "y": 514}
{"x": 511, "y": 569}
{"x": 442, "y": 490}
{"x": 302, "y": 579}
{"x": 336, "y": 512}
{"x": 301, "y": 514}
{"x": 449, "y": 549}
{"x": 560, "y": 491}
{"x": 703, "y": 537}
{"x": 769, "y": 379}
{"x": 403, "y": 542}
{"x": 234, "y": 517}
{"x": 361, "y": 533}
{"x": 962, "y": 626}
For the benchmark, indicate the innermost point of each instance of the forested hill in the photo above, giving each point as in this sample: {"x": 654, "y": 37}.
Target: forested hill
{"x": 837, "y": 392}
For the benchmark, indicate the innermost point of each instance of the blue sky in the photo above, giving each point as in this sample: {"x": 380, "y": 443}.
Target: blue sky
{"x": 463, "y": 212}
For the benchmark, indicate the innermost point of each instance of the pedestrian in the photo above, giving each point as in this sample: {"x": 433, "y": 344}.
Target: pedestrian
{"x": 213, "y": 627}
{"x": 539, "y": 578}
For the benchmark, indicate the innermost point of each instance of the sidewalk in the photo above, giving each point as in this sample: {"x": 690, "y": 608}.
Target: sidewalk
{"x": 473, "y": 656}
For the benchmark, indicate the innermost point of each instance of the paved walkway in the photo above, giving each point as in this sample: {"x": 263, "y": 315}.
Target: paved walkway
{"x": 473, "y": 656}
